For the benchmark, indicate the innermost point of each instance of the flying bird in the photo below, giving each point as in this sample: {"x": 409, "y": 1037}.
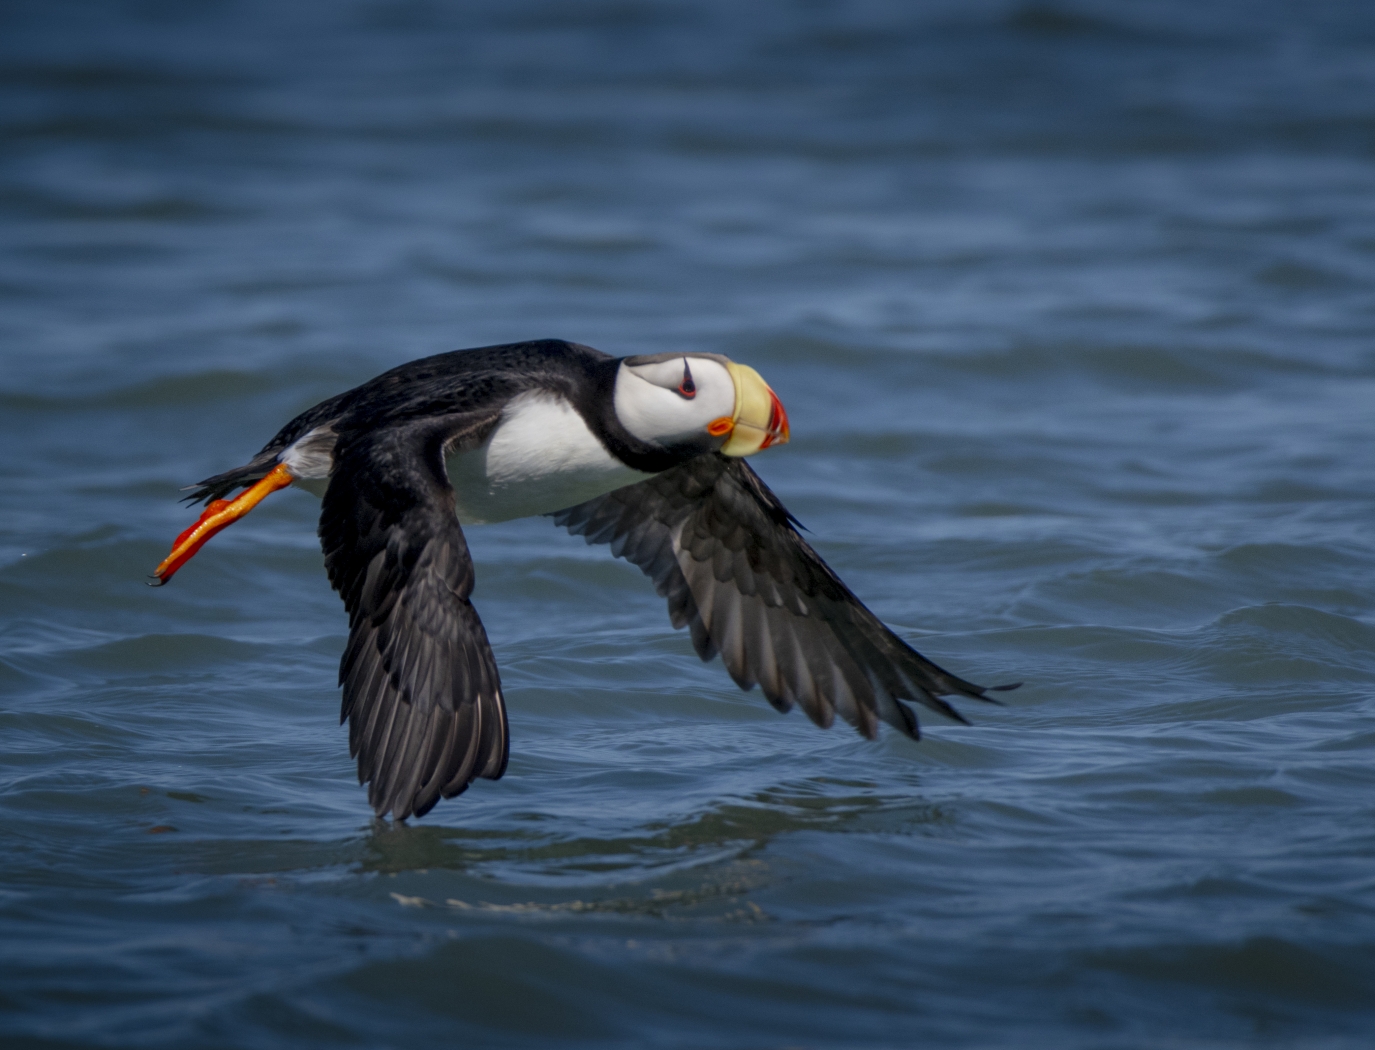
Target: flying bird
{"x": 645, "y": 454}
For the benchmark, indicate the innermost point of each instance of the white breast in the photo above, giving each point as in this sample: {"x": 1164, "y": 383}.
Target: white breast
{"x": 540, "y": 458}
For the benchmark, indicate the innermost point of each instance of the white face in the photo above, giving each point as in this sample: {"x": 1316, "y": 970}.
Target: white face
{"x": 671, "y": 400}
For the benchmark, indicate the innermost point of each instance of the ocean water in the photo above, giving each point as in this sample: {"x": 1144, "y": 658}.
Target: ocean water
{"x": 1070, "y": 303}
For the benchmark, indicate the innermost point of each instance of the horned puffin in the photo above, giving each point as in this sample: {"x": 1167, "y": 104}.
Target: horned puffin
{"x": 645, "y": 454}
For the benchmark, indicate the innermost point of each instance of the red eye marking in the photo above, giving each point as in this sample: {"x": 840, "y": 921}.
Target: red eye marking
{"x": 687, "y": 387}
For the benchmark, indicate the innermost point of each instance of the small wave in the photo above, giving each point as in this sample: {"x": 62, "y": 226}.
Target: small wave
{"x": 1142, "y": 365}
{"x": 169, "y": 208}
{"x": 1282, "y": 969}
{"x": 204, "y": 387}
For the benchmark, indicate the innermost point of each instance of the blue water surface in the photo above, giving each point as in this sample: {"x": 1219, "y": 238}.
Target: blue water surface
{"x": 1070, "y": 305}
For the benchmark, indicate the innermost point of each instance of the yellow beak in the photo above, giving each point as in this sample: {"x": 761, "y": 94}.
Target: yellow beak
{"x": 759, "y": 419}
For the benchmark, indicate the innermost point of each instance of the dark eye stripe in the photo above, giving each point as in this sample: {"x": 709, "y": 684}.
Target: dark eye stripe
{"x": 687, "y": 387}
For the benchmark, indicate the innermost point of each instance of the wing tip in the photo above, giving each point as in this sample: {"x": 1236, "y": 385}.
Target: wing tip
{"x": 983, "y": 693}
{"x": 910, "y": 727}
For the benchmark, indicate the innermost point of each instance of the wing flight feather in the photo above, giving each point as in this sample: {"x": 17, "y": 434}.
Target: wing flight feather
{"x": 727, "y": 557}
{"x": 422, "y": 694}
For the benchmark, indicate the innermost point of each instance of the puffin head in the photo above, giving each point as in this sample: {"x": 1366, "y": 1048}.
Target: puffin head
{"x": 698, "y": 400}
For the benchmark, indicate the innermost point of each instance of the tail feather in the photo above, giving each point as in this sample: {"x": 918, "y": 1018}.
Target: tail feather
{"x": 220, "y": 485}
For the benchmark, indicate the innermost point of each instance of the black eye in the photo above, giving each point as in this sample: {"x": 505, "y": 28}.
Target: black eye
{"x": 687, "y": 387}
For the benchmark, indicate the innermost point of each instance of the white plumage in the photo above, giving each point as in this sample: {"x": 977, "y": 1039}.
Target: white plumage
{"x": 540, "y": 458}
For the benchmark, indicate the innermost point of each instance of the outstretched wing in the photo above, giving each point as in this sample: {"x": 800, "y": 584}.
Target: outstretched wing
{"x": 421, "y": 691}
{"x": 725, "y": 553}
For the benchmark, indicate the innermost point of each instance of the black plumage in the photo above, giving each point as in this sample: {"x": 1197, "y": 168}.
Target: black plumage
{"x": 421, "y": 690}
{"x": 422, "y": 694}
{"x": 464, "y": 381}
{"x": 726, "y": 554}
